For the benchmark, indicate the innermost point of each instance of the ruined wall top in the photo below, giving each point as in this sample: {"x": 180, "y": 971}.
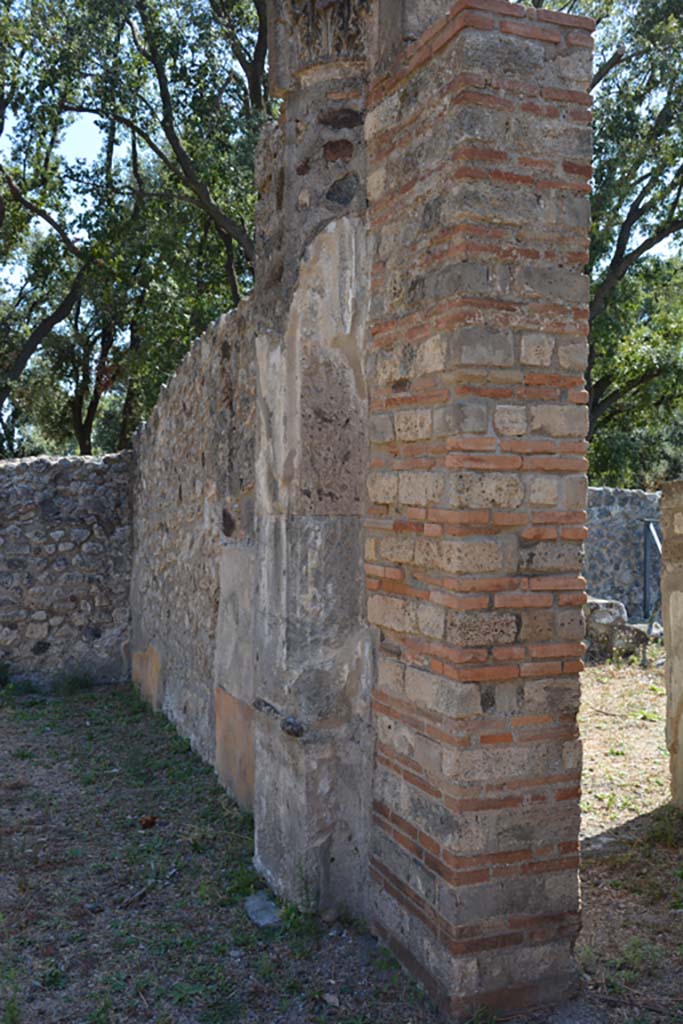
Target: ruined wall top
{"x": 307, "y": 34}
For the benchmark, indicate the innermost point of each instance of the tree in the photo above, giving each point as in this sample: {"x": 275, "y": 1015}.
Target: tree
{"x": 186, "y": 56}
{"x": 134, "y": 314}
{"x": 637, "y": 207}
{"x": 641, "y": 350}
{"x": 102, "y": 290}
{"x": 178, "y": 89}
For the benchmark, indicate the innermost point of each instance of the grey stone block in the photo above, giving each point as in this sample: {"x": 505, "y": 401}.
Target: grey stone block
{"x": 262, "y": 910}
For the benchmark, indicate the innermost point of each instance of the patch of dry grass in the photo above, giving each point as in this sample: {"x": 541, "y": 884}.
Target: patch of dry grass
{"x": 631, "y": 947}
{"x": 104, "y": 921}
{"x": 123, "y": 872}
{"x": 626, "y": 763}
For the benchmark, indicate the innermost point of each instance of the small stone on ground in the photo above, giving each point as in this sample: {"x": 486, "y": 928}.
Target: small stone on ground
{"x": 262, "y": 910}
{"x": 579, "y": 1011}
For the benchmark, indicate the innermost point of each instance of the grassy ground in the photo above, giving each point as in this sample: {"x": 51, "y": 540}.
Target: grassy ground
{"x": 124, "y": 868}
{"x": 123, "y": 873}
{"x": 631, "y": 947}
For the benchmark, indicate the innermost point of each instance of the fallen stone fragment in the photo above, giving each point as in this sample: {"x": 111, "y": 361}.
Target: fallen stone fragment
{"x": 262, "y": 911}
{"x": 608, "y": 632}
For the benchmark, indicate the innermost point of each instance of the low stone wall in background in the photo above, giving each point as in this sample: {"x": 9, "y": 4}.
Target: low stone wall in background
{"x": 65, "y": 557}
{"x": 615, "y": 549}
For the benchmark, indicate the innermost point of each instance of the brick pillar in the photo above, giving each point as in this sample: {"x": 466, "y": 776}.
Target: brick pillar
{"x": 479, "y": 150}
{"x": 672, "y": 617}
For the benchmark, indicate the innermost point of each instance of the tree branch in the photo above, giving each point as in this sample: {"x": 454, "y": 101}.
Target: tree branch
{"x": 621, "y": 261}
{"x": 636, "y": 212}
{"x": 189, "y": 171}
{"x": 38, "y": 335}
{"x": 38, "y": 211}
{"x": 261, "y": 49}
{"x": 253, "y": 66}
{"x": 132, "y": 126}
{"x": 619, "y": 394}
{"x": 619, "y": 268}
{"x": 170, "y": 197}
{"x": 603, "y": 71}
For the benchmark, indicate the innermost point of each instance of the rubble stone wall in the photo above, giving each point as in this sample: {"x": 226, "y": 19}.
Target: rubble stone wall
{"x": 615, "y": 548}
{"x": 65, "y": 553}
{"x": 193, "y": 499}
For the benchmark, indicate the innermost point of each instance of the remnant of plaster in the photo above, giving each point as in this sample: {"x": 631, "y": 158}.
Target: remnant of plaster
{"x": 235, "y": 747}
{"x": 312, "y": 389}
{"x": 147, "y": 675}
{"x": 313, "y": 662}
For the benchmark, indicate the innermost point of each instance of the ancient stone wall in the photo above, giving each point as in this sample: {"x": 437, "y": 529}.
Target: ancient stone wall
{"x": 479, "y": 149}
{"x": 313, "y": 677}
{"x": 359, "y": 507}
{"x": 672, "y": 618}
{"x": 615, "y": 548}
{"x": 65, "y": 553}
{"x": 192, "y": 575}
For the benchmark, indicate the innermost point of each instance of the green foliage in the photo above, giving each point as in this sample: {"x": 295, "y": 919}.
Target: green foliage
{"x": 302, "y": 929}
{"x": 483, "y": 1016}
{"x": 9, "y": 986}
{"x": 639, "y": 442}
{"x": 635, "y": 375}
{"x": 110, "y": 267}
{"x": 242, "y": 882}
{"x": 666, "y": 828}
{"x": 53, "y": 977}
{"x": 10, "y": 1012}
{"x": 73, "y": 683}
{"x": 638, "y": 959}
{"x": 639, "y": 456}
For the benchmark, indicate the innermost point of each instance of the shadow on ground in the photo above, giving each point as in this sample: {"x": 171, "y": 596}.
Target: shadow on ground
{"x": 631, "y": 946}
{"x": 124, "y": 869}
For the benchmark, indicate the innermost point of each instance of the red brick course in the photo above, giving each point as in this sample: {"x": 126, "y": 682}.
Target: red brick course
{"x": 478, "y": 213}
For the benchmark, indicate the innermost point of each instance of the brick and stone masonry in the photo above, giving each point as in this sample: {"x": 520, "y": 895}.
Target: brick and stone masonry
{"x": 359, "y": 507}
{"x": 479, "y": 154}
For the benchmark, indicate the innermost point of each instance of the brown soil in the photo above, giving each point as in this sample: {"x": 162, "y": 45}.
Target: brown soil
{"x": 631, "y": 946}
{"x": 123, "y": 873}
{"x": 124, "y": 868}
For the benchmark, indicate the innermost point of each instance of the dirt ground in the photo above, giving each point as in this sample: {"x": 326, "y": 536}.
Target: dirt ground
{"x": 124, "y": 868}
{"x": 631, "y": 946}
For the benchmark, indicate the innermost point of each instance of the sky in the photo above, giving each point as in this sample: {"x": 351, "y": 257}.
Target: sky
{"x": 82, "y": 140}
